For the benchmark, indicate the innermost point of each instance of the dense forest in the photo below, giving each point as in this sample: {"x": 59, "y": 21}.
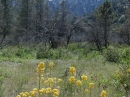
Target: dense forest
{"x": 34, "y": 21}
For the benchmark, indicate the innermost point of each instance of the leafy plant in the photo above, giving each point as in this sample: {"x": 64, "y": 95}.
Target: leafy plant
{"x": 123, "y": 78}
{"x": 112, "y": 55}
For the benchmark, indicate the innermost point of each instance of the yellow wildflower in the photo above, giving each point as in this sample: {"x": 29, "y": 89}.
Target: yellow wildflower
{"x": 41, "y": 65}
{"x": 84, "y": 78}
{"x": 55, "y": 94}
{"x": 54, "y": 80}
{"x": 42, "y": 80}
{"x": 103, "y": 94}
{"x": 86, "y": 90}
{"x": 43, "y": 90}
{"x": 58, "y": 87}
{"x": 18, "y": 96}
{"x": 51, "y": 65}
{"x": 32, "y": 93}
{"x": 91, "y": 85}
{"x": 40, "y": 68}
{"x": 26, "y": 93}
{"x": 21, "y": 94}
{"x": 35, "y": 89}
{"x": 40, "y": 91}
{"x": 59, "y": 80}
{"x": 55, "y": 90}
{"x": 72, "y": 79}
{"x": 128, "y": 70}
{"x": 46, "y": 82}
{"x": 48, "y": 90}
{"x": 72, "y": 70}
{"x": 78, "y": 83}
{"x": 50, "y": 80}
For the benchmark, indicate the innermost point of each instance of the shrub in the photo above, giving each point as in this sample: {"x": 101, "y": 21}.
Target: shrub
{"x": 123, "y": 78}
{"x": 41, "y": 54}
{"x": 112, "y": 55}
{"x": 24, "y": 52}
{"x": 50, "y": 54}
{"x": 125, "y": 56}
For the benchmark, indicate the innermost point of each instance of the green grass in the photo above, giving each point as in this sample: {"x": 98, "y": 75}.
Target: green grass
{"x": 18, "y": 67}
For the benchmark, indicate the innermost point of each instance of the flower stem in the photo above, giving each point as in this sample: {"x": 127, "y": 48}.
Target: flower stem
{"x": 90, "y": 92}
{"x": 39, "y": 84}
{"x": 50, "y": 72}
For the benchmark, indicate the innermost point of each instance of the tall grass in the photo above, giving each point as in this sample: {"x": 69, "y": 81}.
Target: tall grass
{"x": 21, "y": 63}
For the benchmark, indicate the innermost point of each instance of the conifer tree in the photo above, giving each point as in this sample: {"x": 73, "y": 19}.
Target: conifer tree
{"x": 105, "y": 14}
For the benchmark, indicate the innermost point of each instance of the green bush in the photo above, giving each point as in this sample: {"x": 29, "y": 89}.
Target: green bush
{"x": 122, "y": 79}
{"x": 41, "y": 53}
{"x": 20, "y": 53}
{"x": 7, "y": 52}
{"x": 24, "y": 52}
{"x": 112, "y": 55}
{"x": 49, "y": 54}
{"x": 13, "y": 53}
{"x": 125, "y": 56}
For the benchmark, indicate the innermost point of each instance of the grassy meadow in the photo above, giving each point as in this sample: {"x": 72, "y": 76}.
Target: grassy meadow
{"x": 72, "y": 72}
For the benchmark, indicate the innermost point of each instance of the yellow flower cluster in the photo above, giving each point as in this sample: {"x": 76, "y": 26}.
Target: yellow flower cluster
{"x": 35, "y": 89}
{"x": 18, "y": 96}
{"x": 51, "y": 81}
{"x": 86, "y": 90}
{"x": 78, "y": 83}
{"x": 23, "y": 94}
{"x": 48, "y": 90}
{"x": 59, "y": 80}
{"x": 41, "y": 80}
{"x": 91, "y": 85}
{"x": 33, "y": 93}
{"x": 40, "y": 68}
{"x": 72, "y": 70}
{"x": 103, "y": 94}
{"x": 55, "y": 92}
{"x": 84, "y": 78}
{"x": 50, "y": 84}
{"x": 71, "y": 79}
{"x": 30, "y": 94}
{"x": 51, "y": 65}
{"x": 128, "y": 70}
{"x": 42, "y": 91}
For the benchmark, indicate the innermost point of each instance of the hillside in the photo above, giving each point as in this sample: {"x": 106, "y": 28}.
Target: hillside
{"x": 78, "y": 7}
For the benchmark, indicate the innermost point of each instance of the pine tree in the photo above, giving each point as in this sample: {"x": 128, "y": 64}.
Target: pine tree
{"x": 105, "y": 14}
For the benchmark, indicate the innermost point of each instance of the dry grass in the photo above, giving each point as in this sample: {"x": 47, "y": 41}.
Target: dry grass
{"x": 22, "y": 76}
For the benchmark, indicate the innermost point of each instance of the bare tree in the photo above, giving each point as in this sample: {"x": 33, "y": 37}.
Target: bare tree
{"x": 125, "y": 28}
{"x": 6, "y": 18}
